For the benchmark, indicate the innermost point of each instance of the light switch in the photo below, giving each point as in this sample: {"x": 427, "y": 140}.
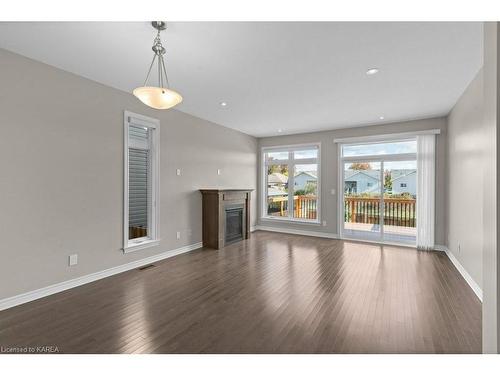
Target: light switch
{"x": 178, "y": 172}
{"x": 332, "y": 191}
{"x": 218, "y": 172}
{"x": 73, "y": 259}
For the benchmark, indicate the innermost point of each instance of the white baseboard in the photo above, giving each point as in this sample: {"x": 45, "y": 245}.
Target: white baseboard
{"x": 253, "y": 228}
{"x": 440, "y": 248}
{"x": 9, "y": 302}
{"x": 297, "y": 231}
{"x": 473, "y": 285}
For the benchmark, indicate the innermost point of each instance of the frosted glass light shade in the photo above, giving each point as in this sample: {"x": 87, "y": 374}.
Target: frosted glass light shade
{"x": 158, "y": 97}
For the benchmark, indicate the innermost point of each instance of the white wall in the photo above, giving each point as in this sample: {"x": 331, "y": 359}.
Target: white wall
{"x": 61, "y": 187}
{"x": 490, "y": 191}
{"x": 466, "y": 166}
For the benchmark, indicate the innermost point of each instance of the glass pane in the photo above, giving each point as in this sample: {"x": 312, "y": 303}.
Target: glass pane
{"x": 362, "y": 199}
{"x": 401, "y": 147}
{"x": 277, "y": 190}
{"x": 400, "y": 201}
{"x": 277, "y": 155}
{"x": 305, "y": 191}
{"x": 139, "y": 192}
{"x": 306, "y": 154}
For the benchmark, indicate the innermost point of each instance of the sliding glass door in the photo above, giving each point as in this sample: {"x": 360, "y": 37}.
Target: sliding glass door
{"x": 362, "y": 199}
{"x": 379, "y": 191}
{"x": 400, "y": 201}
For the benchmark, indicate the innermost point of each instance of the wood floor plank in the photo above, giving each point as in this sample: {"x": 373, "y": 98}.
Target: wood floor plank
{"x": 274, "y": 293}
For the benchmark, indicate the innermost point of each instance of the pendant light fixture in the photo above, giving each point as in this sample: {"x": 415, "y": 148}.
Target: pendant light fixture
{"x": 158, "y": 97}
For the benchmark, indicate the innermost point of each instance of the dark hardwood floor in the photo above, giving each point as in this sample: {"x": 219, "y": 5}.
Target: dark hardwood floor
{"x": 274, "y": 293}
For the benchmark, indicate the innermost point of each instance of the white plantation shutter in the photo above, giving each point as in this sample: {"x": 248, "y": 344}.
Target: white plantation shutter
{"x": 139, "y": 167}
{"x": 141, "y": 214}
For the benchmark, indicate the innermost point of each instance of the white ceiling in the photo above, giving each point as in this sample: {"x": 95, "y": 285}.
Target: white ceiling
{"x": 298, "y": 77}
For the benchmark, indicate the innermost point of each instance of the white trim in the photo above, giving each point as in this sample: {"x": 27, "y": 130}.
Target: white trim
{"x": 288, "y": 148}
{"x": 131, "y": 247}
{"x": 9, "y": 302}
{"x": 468, "y": 278}
{"x": 384, "y": 137}
{"x": 130, "y": 118}
{"x": 252, "y": 228}
{"x": 297, "y": 231}
{"x": 291, "y": 162}
{"x": 292, "y": 220}
{"x": 341, "y": 160}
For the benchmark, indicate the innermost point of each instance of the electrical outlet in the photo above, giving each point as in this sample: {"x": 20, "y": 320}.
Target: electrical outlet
{"x": 458, "y": 247}
{"x": 324, "y": 223}
{"x": 332, "y": 192}
{"x": 178, "y": 172}
{"x": 73, "y": 259}
{"x": 218, "y": 172}
{"x": 178, "y": 235}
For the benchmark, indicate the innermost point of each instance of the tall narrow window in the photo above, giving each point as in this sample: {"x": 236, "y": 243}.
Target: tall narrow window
{"x": 141, "y": 182}
{"x": 291, "y": 183}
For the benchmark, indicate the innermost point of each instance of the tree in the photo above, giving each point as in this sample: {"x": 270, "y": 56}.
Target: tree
{"x": 283, "y": 169}
{"x": 360, "y": 166}
{"x": 387, "y": 181}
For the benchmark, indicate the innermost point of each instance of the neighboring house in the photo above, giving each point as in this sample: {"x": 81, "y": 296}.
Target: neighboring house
{"x": 368, "y": 181}
{"x": 361, "y": 181}
{"x": 277, "y": 184}
{"x": 274, "y": 191}
{"x": 277, "y": 179}
{"x": 301, "y": 180}
{"x": 405, "y": 183}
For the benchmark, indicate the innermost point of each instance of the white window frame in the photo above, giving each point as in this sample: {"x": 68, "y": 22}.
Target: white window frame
{"x": 153, "y": 238}
{"x": 369, "y": 158}
{"x": 291, "y": 162}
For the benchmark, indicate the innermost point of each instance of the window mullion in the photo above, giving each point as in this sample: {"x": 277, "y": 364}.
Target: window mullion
{"x": 291, "y": 168}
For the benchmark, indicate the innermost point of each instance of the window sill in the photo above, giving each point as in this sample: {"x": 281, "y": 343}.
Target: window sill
{"x": 131, "y": 247}
{"x": 289, "y": 220}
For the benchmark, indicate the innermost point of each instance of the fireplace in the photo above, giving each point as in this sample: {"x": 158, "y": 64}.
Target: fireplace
{"x": 234, "y": 223}
{"x": 226, "y": 216}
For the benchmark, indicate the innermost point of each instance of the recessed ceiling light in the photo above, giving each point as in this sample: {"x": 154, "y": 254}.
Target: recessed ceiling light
{"x": 223, "y": 104}
{"x": 381, "y": 117}
{"x": 280, "y": 130}
{"x": 372, "y": 71}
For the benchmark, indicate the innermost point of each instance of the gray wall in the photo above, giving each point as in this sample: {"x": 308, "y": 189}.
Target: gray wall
{"x": 329, "y": 170}
{"x": 490, "y": 191}
{"x": 466, "y": 167}
{"x": 61, "y": 158}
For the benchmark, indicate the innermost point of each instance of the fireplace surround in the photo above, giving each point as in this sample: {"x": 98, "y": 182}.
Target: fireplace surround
{"x": 225, "y": 216}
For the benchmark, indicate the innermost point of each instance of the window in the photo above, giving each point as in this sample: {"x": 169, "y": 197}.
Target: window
{"x": 380, "y": 148}
{"x": 291, "y": 183}
{"x": 402, "y": 185}
{"x": 141, "y": 161}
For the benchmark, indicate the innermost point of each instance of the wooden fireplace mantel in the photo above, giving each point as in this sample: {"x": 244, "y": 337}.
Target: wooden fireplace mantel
{"x": 215, "y": 202}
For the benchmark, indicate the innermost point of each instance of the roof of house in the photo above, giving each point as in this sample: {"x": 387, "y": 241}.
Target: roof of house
{"x": 401, "y": 175}
{"x": 395, "y": 173}
{"x": 309, "y": 173}
{"x": 275, "y": 192}
{"x": 277, "y": 178}
{"x": 367, "y": 172}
